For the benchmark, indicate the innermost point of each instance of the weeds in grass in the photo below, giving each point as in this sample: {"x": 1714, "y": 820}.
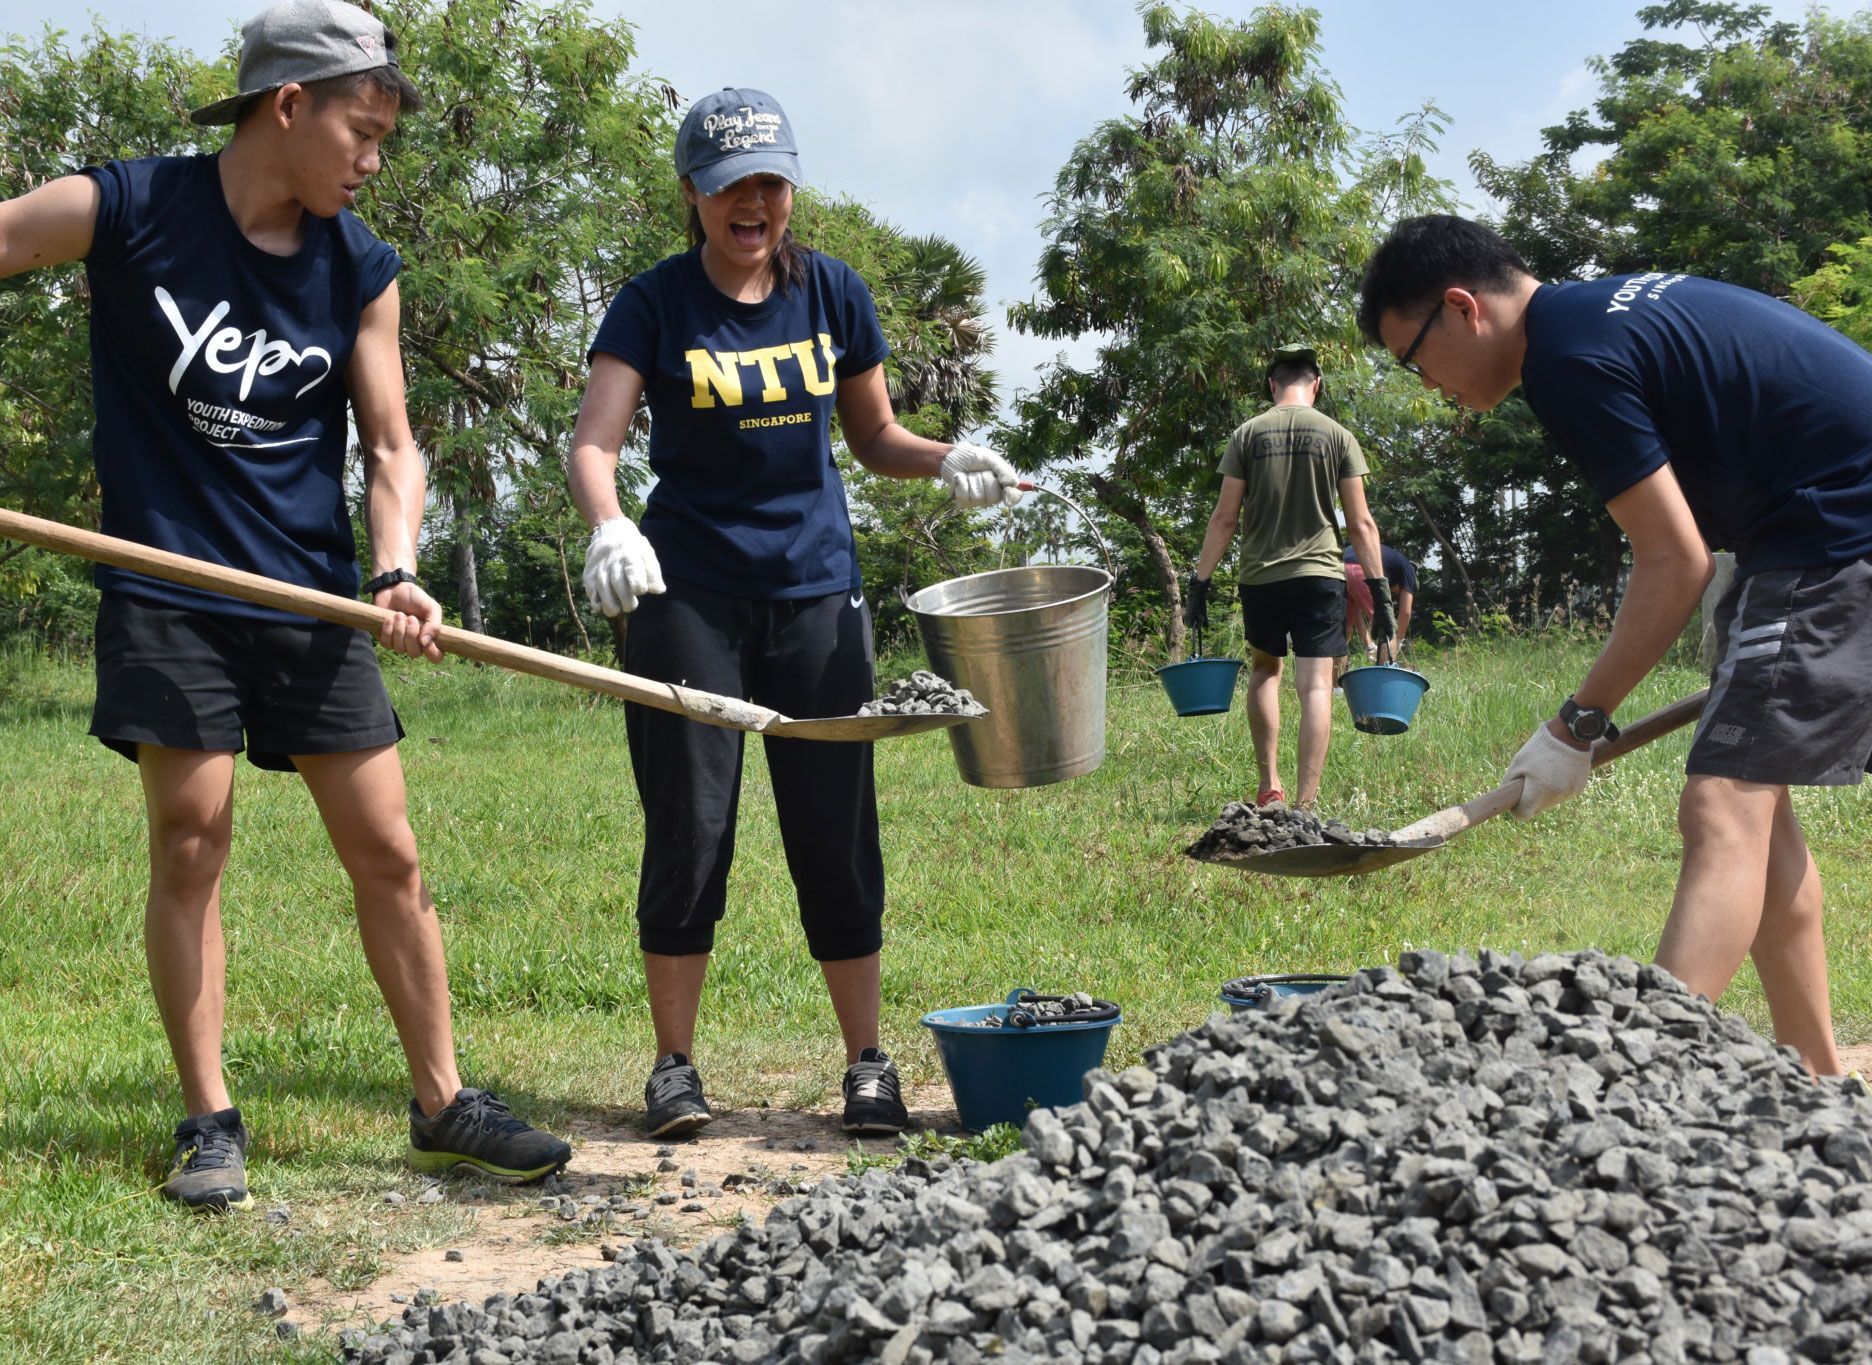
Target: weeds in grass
{"x": 991, "y": 1144}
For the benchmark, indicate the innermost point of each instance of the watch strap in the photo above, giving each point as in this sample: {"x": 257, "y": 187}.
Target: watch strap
{"x": 1571, "y": 708}
{"x": 389, "y": 579}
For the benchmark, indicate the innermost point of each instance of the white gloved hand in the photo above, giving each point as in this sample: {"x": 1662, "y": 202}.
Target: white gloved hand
{"x": 978, "y": 477}
{"x": 1550, "y": 769}
{"x": 620, "y": 567}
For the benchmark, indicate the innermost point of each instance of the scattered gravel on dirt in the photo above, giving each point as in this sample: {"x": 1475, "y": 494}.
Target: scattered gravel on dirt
{"x": 1567, "y": 1158}
{"x": 1242, "y": 828}
{"x": 924, "y": 693}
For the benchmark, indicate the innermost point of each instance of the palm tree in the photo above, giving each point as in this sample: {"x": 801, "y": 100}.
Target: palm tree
{"x": 941, "y": 361}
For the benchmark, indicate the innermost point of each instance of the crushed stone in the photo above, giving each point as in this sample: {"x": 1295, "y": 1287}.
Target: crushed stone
{"x": 1244, "y": 828}
{"x": 924, "y": 693}
{"x": 1490, "y": 1159}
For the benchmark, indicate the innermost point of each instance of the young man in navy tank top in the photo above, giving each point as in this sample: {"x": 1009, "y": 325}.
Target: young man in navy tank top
{"x": 240, "y": 313}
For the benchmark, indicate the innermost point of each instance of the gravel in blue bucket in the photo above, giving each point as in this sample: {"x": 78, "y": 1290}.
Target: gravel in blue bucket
{"x": 1259, "y": 992}
{"x": 1029, "y": 1052}
{"x": 1383, "y": 697}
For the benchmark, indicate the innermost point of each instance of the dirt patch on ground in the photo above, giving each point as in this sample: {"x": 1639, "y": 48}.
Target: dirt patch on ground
{"x": 1858, "y": 1059}
{"x": 614, "y": 1191}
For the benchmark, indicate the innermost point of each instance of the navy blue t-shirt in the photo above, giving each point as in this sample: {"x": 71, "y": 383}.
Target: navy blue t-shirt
{"x": 1399, "y": 572}
{"x": 218, "y": 377}
{"x": 748, "y": 499}
{"x": 1763, "y": 413}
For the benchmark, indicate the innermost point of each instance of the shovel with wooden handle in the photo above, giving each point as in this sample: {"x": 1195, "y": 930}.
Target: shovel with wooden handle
{"x": 1434, "y": 831}
{"x": 729, "y": 712}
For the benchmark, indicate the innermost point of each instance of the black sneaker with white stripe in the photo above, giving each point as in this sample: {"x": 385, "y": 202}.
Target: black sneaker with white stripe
{"x": 673, "y": 1102}
{"x": 874, "y": 1096}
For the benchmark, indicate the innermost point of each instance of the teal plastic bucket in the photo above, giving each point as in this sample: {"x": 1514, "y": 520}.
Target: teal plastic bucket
{"x": 998, "y": 1074}
{"x": 1384, "y": 697}
{"x": 1258, "y": 992}
{"x": 1200, "y": 687}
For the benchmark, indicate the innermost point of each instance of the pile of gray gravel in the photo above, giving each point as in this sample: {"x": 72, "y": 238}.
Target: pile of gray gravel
{"x": 924, "y": 693}
{"x": 1563, "y": 1159}
{"x": 1242, "y": 828}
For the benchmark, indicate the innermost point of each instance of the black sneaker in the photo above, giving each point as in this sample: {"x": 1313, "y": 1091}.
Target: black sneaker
{"x": 476, "y": 1131}
{"x": 210, "y": 1167}
{"x": 874, "y": 1096}
{"x": 673, "y": 1102}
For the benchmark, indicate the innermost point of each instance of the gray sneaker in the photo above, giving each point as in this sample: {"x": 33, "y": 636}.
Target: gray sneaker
{"x": 210, "y": 1166}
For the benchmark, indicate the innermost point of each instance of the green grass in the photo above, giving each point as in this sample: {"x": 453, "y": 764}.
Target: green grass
{"x": 522, "y": 797}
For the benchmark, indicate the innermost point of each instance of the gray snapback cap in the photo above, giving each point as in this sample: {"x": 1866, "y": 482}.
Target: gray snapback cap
{"x": 732, "y": 134}
{"x": 302, "y": 41}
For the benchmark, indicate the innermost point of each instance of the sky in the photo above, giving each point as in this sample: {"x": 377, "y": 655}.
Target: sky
{"x": 954, "y": 116}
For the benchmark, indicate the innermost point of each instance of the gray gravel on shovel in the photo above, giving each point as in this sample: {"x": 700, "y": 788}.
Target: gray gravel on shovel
{"x": 1243, "y": 828}
{"x": 1562, "y": 1159}
{"x": 924, "y": 693}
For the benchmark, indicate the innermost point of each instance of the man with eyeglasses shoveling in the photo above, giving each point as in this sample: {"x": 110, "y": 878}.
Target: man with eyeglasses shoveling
{"x": 1703, "y": 416}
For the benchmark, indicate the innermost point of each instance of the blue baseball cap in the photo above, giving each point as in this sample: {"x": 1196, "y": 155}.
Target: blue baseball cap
{"x": 732, "y": 134}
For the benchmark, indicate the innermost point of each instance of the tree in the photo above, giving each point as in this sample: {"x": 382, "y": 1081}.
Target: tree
{"x": 1840, "y": 292}
{"x": 535, "y": 181}
{"x": 1741, "y": 155}
{"x": 1229, "y": 214}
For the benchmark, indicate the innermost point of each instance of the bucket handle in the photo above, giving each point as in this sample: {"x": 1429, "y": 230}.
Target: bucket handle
{"x": 1017, "y": 1015}
{"x": 1027, "y": 486}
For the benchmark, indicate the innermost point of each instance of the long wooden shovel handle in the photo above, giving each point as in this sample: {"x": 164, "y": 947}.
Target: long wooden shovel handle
{"x": 1453, "y": 820}
{"x": 729, "y": 712}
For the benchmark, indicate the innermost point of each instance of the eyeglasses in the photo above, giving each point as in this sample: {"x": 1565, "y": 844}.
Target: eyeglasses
{"x": 1404, "y": 361}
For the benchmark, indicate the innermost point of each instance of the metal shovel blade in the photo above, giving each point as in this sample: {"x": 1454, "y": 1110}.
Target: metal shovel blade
{"x": 1434, "y": 831}
{"x": 862, "y": 727}
{"x": 1325, "y": 860}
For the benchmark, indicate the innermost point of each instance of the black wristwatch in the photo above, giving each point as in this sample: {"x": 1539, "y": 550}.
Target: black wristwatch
{"x": 389, "y": 579}
{"x": 1586, "y": 723}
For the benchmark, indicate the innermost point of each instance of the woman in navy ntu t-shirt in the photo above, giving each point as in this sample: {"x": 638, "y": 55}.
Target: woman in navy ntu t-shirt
{"x": 744, "y": 577}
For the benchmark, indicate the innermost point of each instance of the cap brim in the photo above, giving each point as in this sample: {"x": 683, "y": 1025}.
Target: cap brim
{"x": 223, "y": 111}
{"x": 715, "y": 178}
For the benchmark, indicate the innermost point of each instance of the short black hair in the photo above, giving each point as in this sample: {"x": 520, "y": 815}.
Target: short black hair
{"x": 1424, "y": 256}
{"x": 1292, "y": 372}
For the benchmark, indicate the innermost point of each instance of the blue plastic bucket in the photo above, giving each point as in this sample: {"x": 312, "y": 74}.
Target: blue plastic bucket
{"x": 1384, "y": 697}
{"x": 1200, "y": 687}
{"x": 998, "y": 1074}
{"x": 1258, "y": 992}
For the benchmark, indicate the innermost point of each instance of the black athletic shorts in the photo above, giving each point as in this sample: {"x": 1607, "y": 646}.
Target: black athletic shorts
{"x": 806, "y": 657}
{"x": 193, "y": 680}
{"x": 1791, "y": 693}
{"x": 1312, "y": 610}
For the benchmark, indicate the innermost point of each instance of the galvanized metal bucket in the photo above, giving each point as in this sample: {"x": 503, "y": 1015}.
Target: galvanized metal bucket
{"x": 1030, "y": 644}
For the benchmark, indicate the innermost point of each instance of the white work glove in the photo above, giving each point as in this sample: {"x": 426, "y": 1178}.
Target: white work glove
{"x": 977, "y": 477}
{"x": 1550, "y": 769}
{"x": 620, "y": 567}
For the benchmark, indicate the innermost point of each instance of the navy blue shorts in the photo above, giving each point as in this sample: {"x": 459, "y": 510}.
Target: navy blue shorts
{"x": 1312, "y": 610}
{"x": 1791, "y": 693}
{"x": 194, "y": 680}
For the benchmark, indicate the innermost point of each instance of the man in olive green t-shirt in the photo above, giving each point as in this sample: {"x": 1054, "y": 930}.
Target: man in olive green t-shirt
{"x": 1279, "y": 477}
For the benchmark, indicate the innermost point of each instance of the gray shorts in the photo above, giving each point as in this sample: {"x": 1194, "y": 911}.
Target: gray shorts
{"x": 1791, "y": 695}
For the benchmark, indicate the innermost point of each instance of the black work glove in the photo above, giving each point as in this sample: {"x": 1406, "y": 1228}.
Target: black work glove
{"x": 1196, "y": 603}
{"x": 1383, "y": 614}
